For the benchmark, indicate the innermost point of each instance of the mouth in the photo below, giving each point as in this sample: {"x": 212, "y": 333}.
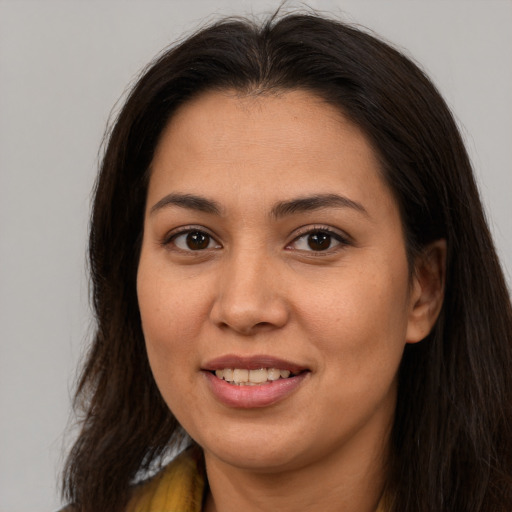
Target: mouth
{"x": 259, "y": 376}
{"x": 253, "y": 382}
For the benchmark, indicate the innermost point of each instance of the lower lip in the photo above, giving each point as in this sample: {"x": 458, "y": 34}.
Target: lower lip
{"x": 249, "y": 397}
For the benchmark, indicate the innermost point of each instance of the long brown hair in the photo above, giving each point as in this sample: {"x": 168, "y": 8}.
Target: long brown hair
{"x": 452, "y": 438}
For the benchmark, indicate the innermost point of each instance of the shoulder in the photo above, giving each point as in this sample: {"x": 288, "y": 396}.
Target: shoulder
{"x": 178, "y": 487}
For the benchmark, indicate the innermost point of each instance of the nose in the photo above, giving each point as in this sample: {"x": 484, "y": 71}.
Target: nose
{"x": 249, "y": 299}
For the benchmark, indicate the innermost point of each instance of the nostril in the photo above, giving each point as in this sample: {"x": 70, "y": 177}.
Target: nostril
{"x": 248, "y": 311}
{"x": 262, "y": 325}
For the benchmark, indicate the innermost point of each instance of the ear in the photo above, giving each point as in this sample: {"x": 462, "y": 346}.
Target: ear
{"x": 427, "y": 291}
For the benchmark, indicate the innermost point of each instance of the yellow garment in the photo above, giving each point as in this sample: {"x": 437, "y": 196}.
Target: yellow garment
{"x": 179, "y": 487}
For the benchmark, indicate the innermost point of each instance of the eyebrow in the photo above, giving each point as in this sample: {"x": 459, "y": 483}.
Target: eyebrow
{"x": 315, "y": 202}
{"x": 279, "y": 210}
{"x": 189, "y": 201}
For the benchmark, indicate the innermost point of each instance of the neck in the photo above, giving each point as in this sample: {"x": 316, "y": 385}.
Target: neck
{"x": 350, "y": 481}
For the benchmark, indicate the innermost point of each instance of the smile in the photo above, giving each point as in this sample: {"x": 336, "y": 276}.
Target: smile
{"x": 245, "y": 377}
{"x": 253, "y": 382}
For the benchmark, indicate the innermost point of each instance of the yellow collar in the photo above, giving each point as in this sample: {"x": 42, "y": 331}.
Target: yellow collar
{"x": 179, "y": 487}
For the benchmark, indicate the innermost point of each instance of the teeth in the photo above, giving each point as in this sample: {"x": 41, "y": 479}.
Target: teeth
{"x": 273, "y": 374}
{"x": 258, "y": 376}
{"x": 240, "y": 376}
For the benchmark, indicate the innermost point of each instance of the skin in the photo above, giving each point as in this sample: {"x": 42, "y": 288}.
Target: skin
{"x": 345, "y": 313}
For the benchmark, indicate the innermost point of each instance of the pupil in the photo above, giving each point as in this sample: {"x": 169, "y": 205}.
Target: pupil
{"x": 319, "y": 241}
{"x": 197, "y": 240}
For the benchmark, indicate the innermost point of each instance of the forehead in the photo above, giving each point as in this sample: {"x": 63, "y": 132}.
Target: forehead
{"x": 292, "y": 119}
{"x": 271, "y": 145}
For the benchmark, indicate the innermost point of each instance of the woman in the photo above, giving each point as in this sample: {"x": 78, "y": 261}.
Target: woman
{"x": 294, "y": 277}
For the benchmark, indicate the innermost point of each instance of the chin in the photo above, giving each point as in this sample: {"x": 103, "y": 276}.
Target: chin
{"x": 257, "y": 460}
{"x": 265, "y": 451}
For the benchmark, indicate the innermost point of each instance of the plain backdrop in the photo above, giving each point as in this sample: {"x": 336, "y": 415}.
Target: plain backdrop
{"x": 63, "y": 66}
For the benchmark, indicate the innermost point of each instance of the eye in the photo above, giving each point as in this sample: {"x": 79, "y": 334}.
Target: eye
{"x": 193, "y": 240}
{"x": 318, "y": 240}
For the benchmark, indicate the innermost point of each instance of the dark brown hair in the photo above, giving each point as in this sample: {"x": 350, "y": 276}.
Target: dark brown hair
{"x": 452, "y": 438}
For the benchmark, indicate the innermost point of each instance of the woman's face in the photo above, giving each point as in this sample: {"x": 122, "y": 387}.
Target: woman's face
{"x": 273, "y": 253}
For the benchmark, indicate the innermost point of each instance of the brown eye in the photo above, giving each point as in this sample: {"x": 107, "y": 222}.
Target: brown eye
{"x": 194, "y": 240}
{"x": 319, "y": 241}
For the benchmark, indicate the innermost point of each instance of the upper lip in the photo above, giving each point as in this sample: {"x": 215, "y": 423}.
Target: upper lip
{"x": 252, "y": 363}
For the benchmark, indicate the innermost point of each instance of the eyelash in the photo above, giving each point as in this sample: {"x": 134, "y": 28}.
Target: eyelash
{"x": 171, "y": 238}
{"x": 341, "y": 240}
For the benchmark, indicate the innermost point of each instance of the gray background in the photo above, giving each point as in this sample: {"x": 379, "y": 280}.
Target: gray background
{"x": 63, "y": 65}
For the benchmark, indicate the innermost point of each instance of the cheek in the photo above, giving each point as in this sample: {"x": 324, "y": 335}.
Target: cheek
{"x": 166, "y": 333}
{"x": 359, "y": 320}
{"x": 169, "y": 321}
{"x": 170, "y": 305}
